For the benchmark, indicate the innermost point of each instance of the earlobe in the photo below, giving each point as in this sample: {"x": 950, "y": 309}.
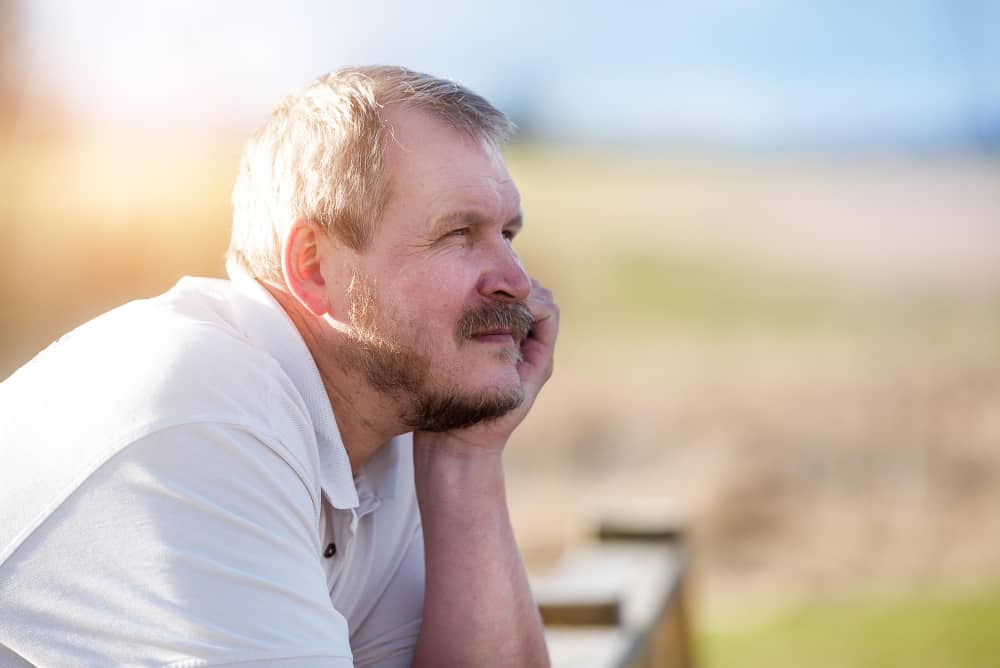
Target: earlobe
{"x": 301, "y": 256}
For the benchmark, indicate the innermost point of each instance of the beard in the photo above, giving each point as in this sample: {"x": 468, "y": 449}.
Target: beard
{"x": 405, "y": 372}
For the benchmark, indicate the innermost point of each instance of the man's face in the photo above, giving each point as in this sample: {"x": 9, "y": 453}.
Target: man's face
{"x": 437, "y": 300}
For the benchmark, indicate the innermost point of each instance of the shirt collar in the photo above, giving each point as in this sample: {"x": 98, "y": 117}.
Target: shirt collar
{"x": 267, "y": 325}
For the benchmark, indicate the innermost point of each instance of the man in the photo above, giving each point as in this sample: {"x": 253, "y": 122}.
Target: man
{"x": 300, "y": 466}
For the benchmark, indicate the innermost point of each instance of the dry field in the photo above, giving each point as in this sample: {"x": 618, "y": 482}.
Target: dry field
{"x": 800, "y": 359}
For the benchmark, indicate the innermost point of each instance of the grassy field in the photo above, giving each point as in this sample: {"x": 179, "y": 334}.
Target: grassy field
{"x": 915, "y": 630}
{"x": 801, "y": 357}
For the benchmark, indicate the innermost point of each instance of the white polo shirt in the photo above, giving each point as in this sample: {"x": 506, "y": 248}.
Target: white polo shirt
{"x": 174, "y": 492}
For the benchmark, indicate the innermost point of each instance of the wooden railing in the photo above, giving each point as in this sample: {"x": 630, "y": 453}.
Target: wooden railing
{"x": 620, "y": 601}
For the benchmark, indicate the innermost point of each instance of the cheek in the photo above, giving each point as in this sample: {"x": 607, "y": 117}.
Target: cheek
{"x": 431, "y": 292}
{"x": 426, "y": 318}
{"x": 440, "y": 289}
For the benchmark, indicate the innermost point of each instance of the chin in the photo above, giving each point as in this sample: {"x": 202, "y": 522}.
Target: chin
{"x": 460, "y": 407}
{"x": 502, "y": 378}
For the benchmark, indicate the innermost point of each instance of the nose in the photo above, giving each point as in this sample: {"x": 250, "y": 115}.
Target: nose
{"x": 505, "y": 278}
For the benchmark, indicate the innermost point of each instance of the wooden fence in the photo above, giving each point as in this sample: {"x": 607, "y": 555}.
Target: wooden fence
{"x": 620, "y": 601}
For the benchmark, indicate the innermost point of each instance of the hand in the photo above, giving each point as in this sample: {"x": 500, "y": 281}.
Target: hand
{"x": 537, "y": 348}
{"x": 534, "y": 369}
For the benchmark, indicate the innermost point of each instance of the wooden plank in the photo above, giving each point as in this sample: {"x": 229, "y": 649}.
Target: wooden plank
{"x": 645, "y": 578}
{"x": 640, "y": 530}
{"x": 587, "y": 647}
{"x": 578, "y": 609}
{"x": 640, "y": 575}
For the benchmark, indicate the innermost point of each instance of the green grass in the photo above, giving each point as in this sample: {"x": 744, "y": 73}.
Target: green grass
{"x": 911, "y": 631}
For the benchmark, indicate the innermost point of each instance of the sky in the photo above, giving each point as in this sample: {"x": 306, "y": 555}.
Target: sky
{"x": 736, "y": 73}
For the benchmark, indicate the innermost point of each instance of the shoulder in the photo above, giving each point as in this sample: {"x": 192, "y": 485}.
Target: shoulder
{"x": 149, "y": 364}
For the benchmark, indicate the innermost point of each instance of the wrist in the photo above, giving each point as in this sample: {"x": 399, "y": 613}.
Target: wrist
{"x": 448, "y": 473}
{"x": 453, "y": 461}
{"x": 458, "y": 445}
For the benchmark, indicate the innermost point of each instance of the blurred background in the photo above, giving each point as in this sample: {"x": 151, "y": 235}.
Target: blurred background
{"x": 773, "y": 227}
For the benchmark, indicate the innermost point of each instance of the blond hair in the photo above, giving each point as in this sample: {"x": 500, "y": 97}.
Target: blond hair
{"x": 321, "y": 156}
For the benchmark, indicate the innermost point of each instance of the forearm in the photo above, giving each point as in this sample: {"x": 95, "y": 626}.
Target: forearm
{"x": 478, "y": 607}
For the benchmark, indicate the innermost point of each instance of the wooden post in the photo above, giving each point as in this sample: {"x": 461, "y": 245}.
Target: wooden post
{"x": 621, "y": 601}
{"x": 668, "y": 643}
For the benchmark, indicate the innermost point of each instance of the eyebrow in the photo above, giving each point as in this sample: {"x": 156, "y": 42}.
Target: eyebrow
{"x": 472, "y": 218}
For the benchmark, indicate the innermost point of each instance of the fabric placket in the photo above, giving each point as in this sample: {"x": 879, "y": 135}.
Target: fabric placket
{"x": 343, "y": 525}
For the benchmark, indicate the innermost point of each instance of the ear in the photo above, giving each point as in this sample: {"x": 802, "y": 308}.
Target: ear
{"x": 301, "y": 262}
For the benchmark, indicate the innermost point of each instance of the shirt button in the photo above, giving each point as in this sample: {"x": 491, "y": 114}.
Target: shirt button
{"x": 331, "y": 550}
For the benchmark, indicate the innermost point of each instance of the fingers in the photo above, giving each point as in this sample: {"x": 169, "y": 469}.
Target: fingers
{"x": 537, "y": 349}
{"x": 542, "y": 305}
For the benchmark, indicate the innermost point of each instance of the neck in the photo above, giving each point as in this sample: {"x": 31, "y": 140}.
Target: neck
{"x": 366, "y": 418}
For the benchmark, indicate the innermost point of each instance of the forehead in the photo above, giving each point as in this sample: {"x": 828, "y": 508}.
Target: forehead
{"x": 434, "y": 170}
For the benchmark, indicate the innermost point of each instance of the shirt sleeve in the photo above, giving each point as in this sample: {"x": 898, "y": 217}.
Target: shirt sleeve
{"x": 197, "y": 545}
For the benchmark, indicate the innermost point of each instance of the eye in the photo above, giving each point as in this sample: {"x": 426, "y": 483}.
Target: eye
{"x": 509, "y": 235}
{"x": 459, "y": 232}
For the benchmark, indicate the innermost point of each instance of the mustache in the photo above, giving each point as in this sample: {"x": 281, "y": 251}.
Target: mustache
{"x": 497, "y": 315}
